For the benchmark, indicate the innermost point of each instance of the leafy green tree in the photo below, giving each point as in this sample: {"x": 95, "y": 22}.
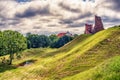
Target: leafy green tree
{"x": 44, "y": 41}
{"x": 2, "y": 52}
{"x": 62, "y": 41}
{"x": 54, "y": 39}
{"x": 36, "y": 41}
{"x": 12, "y": 42}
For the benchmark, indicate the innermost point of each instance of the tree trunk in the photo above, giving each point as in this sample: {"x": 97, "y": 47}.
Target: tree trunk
{"x": 11, "y": 58}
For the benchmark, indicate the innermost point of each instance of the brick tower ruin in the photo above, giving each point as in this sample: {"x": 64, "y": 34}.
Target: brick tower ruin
{"x": 98, "y": 25}
{"x": 89, "y": 29}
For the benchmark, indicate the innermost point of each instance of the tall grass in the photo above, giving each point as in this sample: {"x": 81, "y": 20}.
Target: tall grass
{"x": 74, "y": 61}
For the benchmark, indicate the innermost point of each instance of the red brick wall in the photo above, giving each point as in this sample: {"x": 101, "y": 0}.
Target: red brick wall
{"x": 98, "y": 24}
{"x": 88, "y": 28}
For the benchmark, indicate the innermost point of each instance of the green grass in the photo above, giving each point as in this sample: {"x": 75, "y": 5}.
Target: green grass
{"x": 108, "y": 70}
{"x": 85, "y": 55}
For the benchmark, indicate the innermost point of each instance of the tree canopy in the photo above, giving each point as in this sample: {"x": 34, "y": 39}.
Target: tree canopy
{"x": 62, "y": 41}
{"x": 36, "y": 41}
{"x": 11, "y": 42}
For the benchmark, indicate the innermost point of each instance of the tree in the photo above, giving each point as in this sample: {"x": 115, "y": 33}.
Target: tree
{"x": 12, "y": 42}
{"x": 36, "y": 41}
{"x": 62, "y": 41}
{"x": 2, "y": 52}
{"x": 53, "y": 39}
{"x": 44, "y": 41}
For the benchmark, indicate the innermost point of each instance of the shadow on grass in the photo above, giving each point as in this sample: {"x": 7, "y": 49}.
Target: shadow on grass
{"x": 27, "y": 62}
{"x": 6, "y": 67}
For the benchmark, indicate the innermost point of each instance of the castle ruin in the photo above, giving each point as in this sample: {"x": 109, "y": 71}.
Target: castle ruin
{"x": 89, "y": 29}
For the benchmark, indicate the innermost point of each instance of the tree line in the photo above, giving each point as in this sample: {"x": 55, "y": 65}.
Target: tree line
{"x": 13, "y": 42}
{"x": 53, "y": 41}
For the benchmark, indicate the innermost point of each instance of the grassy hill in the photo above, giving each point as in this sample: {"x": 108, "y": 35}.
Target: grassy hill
{"x": 108, "y": 70}
{"x": 88, "y": 57}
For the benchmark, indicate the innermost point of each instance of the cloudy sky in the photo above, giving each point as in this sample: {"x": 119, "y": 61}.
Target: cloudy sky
{"x": 53, "y": 16}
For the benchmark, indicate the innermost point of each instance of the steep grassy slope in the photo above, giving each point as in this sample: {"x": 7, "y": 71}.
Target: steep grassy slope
{"x": 90, "y": 53}
{"x": 74, "y": 59}
{"x": 108, "y": 70}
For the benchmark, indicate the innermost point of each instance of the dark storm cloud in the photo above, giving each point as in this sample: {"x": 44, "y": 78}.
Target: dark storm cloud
{"x": 90, "y": 21}
{"x": 53, "y": 25}
{"x": 82, "y": 16}
{"x": 85, "y": 15}
{"x": 116, "y": 5}
{"x": 65, "y": 7}
{"x": 5, "y": 22}
{"x": 14, "y": 23}
{"x": 30, "y": 12}
{"x": 2, "y": 24}
{"x": 81, "y": 24}
{"x": 89, "y": 0}
{"x": 36, "y": 27}
{"x": 66, "y": 21}
{"x": 73, "y": 19}
{"x": 45, "y": 20}
{"x": 110, "y": 19}
{"x": 23, "y": 0}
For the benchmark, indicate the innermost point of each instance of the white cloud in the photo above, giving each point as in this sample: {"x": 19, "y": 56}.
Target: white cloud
{"x": 51, "y": 16}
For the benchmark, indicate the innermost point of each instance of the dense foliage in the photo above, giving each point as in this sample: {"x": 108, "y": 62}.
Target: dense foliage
{"x": 36, "y": 41}
{"x": 61, "y": 41}
{"x": 53, "y": 39}
{"x": 11, "y": 42}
